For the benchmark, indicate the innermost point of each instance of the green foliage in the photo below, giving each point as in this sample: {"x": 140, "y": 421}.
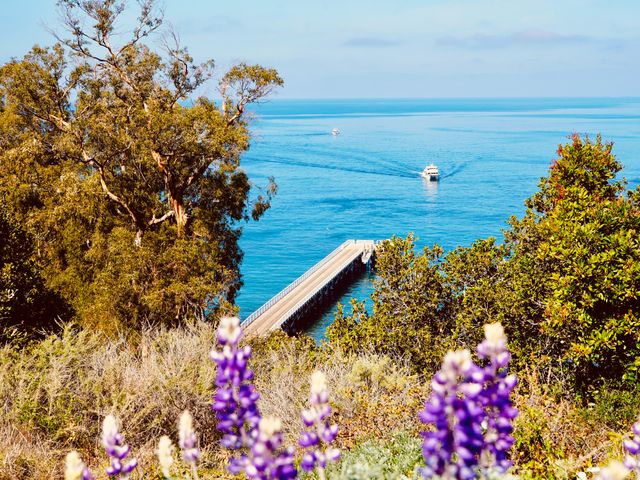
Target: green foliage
{"x": 579, "y": 240}
{"x": 130, "y": 187}
{"x": 471, "y": 280}
{"x": 612, "y": 408}
{"x": 398, "y": 458}
{"x": 424, "y": 304}
{"x": 408, "y": 312}
{"x": 26, "y": 305}
{"x": 565, "y": 283}
{"x": 537, "y": 454}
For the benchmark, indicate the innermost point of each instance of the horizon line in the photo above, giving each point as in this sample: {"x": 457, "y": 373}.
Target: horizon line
{"x": 488, "y": 97}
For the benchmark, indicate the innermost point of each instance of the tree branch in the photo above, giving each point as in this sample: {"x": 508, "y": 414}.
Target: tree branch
{"x": 161, "y": 219}
{"x": 91, "y": 161}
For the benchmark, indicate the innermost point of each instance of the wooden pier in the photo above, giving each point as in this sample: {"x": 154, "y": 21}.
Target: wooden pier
{"x": 289, "y": 307}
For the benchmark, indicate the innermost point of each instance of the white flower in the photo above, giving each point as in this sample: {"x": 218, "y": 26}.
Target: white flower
{"x": 185, "y": 427}
{"x": 73, "y": 467}
{"x": 229, "y": 329}
{"x": 614, "y": 471}
{"x": 269, "y": 426}
{"x": 310, "y": 416}
{"x": 318, "y": 383}
{"x": 494, "y": 333}
{"x": 456, "y": 363}
{"x": 109, "y": 430}
{"x": 165, "y": 455}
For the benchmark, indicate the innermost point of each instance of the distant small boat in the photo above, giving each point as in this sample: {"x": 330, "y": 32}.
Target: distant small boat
{"x": 335, "y": 132}
{"x": 431, "y": 173}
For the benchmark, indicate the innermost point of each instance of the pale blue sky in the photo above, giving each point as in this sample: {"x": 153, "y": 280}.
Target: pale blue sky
{"x": 399, "y": 48}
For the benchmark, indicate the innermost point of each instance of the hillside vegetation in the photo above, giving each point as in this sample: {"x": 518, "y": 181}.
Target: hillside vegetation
{"x": 55, "y": 394}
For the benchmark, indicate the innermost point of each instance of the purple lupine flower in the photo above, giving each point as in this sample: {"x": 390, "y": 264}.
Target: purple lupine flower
{"x": 454, "y": 409}
{"x": 113, "y": 443}
{"x": 319, "y": 434}
{"x": 187, "y": 442}
{"x": 235, "y": 399}
{"x": 268, "y": 460}
{"x": 495, "y": 396}
{"x": 75, "y": 469}
{"x": 632, "y": 459}
{"x": 471, "y": 410}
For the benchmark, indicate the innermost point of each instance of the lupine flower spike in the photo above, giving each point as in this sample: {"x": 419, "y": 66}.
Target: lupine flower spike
{"x": 632, "y": 460}
{"x": 74, "y": 469}
{"x": 453, "y": 449}
{"x": 268, "y": 461}
{"x": 188, "y": 443}
{"x": 235, "y": 399}
{"x": 113, "y": 443}
{"x": 496, "y": 401}
{"x": 471, "y": 410}
{"x": 319, "y": 434}
{"x": 165, "y": 455}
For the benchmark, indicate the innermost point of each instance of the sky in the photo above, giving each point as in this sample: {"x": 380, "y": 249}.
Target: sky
{"x": 397, "y": 48}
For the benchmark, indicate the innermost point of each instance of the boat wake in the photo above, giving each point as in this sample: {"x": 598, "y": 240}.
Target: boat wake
{"x": 456, "y": 169}
{"x": 395, "y": 172}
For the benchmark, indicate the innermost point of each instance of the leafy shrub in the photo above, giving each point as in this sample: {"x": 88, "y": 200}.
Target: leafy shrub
{"x": 409, "y": 308}
{"x": 397, "y": 457}
{"x": 614, "y": 408}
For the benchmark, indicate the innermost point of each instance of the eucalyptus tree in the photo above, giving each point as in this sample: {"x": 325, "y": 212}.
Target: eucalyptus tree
{"x": 127, "y": 176}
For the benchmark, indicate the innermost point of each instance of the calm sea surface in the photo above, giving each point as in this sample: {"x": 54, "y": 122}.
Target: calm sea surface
{"x": 366, "y": 184}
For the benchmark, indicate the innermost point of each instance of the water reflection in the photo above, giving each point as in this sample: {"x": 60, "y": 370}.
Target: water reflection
{"x": 361, "y": 289}
{"x": 430, "y": 187}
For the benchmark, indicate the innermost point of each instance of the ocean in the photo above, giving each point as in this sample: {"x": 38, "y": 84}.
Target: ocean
{"x": 365, "y": 183}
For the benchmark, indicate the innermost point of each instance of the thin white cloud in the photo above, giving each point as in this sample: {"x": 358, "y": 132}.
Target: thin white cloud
{"x": 525, "y": 37}
{"x": 371, "y": 42}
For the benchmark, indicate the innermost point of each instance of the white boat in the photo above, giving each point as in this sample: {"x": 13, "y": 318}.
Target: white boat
{"x": 335, "y": 132}
{"x": 431, "y": 173}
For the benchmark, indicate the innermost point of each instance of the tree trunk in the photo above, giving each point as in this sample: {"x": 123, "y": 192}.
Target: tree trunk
{"x": 138, "y": 240}
{"x": 180, "y": 214}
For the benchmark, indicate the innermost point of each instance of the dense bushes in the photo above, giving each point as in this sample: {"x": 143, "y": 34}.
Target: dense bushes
{"x": 26, "y": 305}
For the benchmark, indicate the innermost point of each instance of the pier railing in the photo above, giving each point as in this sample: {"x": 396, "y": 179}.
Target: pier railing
{"x": 314, "y": 292}
{"x": 291, "y": 286}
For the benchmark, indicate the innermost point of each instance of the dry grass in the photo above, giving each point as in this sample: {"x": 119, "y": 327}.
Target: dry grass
{"x": 61, "y": 389}
{"x": 54, "y": 395}
{"x": 555, "y": 437}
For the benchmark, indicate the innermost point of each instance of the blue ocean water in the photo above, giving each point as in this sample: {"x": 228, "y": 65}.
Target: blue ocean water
{"x": 365, "y": 183}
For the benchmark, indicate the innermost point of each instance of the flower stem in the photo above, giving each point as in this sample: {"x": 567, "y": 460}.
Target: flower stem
{"x": 321, "y": 475}
{"x": 194, "y": 472}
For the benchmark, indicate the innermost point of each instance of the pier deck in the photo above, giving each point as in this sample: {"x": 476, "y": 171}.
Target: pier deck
{"x": 293, "y": 301}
